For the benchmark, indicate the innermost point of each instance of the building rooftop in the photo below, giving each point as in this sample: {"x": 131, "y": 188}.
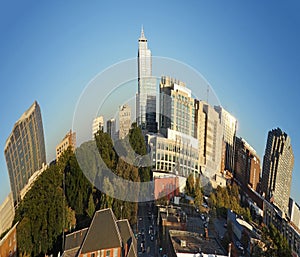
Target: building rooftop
{"x": 189, "y": 242}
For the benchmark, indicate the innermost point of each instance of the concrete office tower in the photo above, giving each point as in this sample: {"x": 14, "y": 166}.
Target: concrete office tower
{"x": 277, "y": 169}
{"x": 247, "y": 164}
{"x": 124, "y": 120}
{"x": 229, "y": 124}
{"x": 208, "y": 130}
{"x": 98, "y": 124}
{"x": 68, "y": 141}
{"x": 7, "y": 213}
{"x": 25, "y": 149}
{"x": 177, "y": 110}
{"x": 111, "y": 128}
{"x": 146, "y": 96}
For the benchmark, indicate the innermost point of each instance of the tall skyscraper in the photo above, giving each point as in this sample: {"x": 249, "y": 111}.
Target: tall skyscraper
{"x": 98, "y": 124}
{"x": 277, "y": 169}
{"x": 25, "y": 149}
{"x": 177, "y": 110}
{"x": 229, "y": 124}
{"x": 146, "y": 96}
{"x": 111, "y": 128}
{"x": 124, "y": 120}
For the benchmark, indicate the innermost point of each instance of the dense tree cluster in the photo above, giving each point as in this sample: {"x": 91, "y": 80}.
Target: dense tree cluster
{"x": 43, "y": 215}
{"x": 63, "y": 198}
{"x": 274, "y": 244}
{"x": 224, "y": 198}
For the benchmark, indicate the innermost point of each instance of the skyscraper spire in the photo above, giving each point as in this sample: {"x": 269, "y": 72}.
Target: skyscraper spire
{"x": 142, "y": 32}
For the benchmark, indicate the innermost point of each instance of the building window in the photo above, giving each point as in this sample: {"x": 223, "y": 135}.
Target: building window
{"x": 93, "y": 255}
{"x": 107, "y": 253}
{"x": 116, "y": 251}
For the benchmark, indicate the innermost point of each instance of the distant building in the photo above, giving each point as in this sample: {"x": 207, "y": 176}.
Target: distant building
{"x": 124, "y": 120}
{"x": 111, "y": 128}
{"x": 209, "y": 134}
{"x": 277, "y": 169}
{"x": 68, "y": 141}
{"x": 7, "y": 214}
{"x": 177, "y": 110}
{"x": 146, "y": 96}
{"x": 98, "y": 124}
{"x": 247, "y": 164}
{"x": 294, "y": 213}
{"x": 8, "y": 244}
{"x": 25, "y": 149}
{"x": 106, "y": 236}
{"x": 229, "y": 124}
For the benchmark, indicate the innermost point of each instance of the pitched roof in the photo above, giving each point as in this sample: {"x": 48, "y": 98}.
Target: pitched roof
{"x": 124, "y": 231}
{"x": 132, "y": 251}
{"x": 74, "y": 240}
{"x": 103, "y": 232}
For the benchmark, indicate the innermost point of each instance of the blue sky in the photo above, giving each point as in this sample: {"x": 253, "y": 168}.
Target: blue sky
{"x": 249, "y": 51}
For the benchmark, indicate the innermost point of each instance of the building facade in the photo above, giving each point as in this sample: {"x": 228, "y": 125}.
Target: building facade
{"x": 277, "y": 169}
{"x": 7, "y": 213}
{"x": 177, "y": 110}
{"x": 246, "y": 165}
{"x": 25, "y": 149}
{"x": 229, "y": 124}
{"x": 111, "y": 128}
{"x": 98, "y": 124}
{"x": 209, "y": 134}
{"x": 68, "y": 141}
{"x": 176, "y": 154}
{"x": 146, "y": 96}
{"x": 124, "y": 120}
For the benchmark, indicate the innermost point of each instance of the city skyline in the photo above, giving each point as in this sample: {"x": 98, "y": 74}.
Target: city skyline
{"x": 251, "y": 64}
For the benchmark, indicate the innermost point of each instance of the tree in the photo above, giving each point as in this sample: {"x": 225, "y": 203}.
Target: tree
{"x": 198, "y": 193}
{"x": 91, "y": 206}
{"x": 190, "y": 186}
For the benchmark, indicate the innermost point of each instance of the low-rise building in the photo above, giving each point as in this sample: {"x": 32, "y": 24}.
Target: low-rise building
{"x": 166, "y": 186}
{"x": 8, "y": 244}
{"x": 106, "y": 236}
{"x": 190, "y": 244}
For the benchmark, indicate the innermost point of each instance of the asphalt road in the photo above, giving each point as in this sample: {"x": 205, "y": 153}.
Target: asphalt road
{"x": 146, "y": 218}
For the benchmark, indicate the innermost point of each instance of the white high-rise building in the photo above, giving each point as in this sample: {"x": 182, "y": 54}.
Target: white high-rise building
{"x": 229, "y": 124}
{"x": 98, "y": 124}
{"x": 209, "y": 134}
{"x": 146, "y": 96}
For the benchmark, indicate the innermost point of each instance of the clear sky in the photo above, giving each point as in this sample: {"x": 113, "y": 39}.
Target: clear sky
{"x": 249, "y": 51}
